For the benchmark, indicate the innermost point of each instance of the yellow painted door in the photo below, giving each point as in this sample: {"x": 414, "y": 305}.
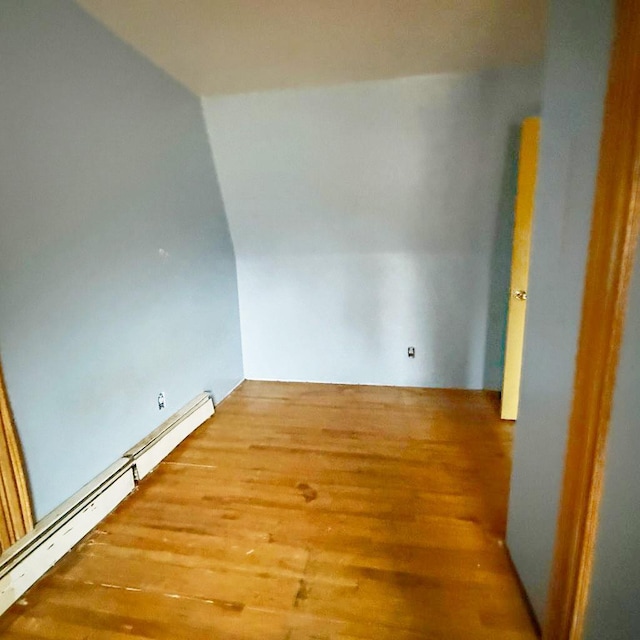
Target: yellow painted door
{"x": 527, "y": 171}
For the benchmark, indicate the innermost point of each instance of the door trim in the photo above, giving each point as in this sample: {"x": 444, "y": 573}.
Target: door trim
{"x": 16, "y": 516}
{"x": 612, "y": 248}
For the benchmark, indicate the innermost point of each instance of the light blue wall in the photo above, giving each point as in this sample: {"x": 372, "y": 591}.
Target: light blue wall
{"x": 374, "y": 216}
{"x": 613, "y": 611}
{"x": 574, "y": 89}
{"x": 104, "y": 162}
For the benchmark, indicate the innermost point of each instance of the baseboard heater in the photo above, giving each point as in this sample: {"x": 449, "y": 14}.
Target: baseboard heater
{"x": 24, "y": 563}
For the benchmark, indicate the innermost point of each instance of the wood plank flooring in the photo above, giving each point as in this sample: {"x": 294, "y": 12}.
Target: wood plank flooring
{"x": 304, "y": 512}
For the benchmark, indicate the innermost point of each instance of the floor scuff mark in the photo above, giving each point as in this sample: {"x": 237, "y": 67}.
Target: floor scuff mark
{"x": 308, "y": 493}
{"x": 303, "y": 593}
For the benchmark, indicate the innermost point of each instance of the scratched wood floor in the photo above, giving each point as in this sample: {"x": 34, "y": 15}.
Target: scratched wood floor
{"x": 304, "y": 512}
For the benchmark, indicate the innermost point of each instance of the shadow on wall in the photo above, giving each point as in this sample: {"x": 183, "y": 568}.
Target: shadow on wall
{"x": 500, "y": 273}
{"x": 384, "y": 319}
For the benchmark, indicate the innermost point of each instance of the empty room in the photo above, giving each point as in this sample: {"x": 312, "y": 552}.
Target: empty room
{"x": 319, "y": 319}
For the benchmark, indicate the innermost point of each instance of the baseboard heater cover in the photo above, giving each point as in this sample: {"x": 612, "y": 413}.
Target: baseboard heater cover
{"x": 25, "y": 562}
{"x": 30, "y": 558}
{"x": 148, "y": 453}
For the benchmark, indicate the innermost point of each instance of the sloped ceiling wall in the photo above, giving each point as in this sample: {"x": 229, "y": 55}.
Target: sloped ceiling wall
{"x": 218, "y": 46}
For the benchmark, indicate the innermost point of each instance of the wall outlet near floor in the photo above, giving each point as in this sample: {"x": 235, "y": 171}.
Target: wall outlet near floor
{"x": 411, "y": 352}
{"x": 161, "y": 401}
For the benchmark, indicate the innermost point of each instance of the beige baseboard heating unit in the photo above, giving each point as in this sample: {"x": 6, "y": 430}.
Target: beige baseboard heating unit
{"x": 148, "y": 453}
{"x": 23, "y": 564}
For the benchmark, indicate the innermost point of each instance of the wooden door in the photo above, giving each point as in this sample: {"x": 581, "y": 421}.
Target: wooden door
{"x": 15, "y": 506}
{"x": 527, "y": 171}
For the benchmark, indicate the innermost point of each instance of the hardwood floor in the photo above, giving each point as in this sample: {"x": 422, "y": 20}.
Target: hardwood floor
{"x": 304, "y": 512}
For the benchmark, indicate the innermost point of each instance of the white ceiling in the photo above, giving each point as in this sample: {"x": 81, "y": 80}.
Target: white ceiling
{"x": 232, "y": 46}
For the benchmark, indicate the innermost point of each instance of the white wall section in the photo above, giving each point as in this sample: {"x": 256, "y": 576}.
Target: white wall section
{"x": 370, "y": 217}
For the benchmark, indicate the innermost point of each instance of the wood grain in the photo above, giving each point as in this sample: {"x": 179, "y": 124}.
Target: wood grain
{"x": 614, "y": 234}
{"x": 304, "y": 512}
{"x": 15, "y": 505}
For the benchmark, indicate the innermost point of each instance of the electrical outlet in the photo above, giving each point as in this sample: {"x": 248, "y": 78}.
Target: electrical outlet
{"x": 161, "y": 401}
{"x": 411, "y": 352}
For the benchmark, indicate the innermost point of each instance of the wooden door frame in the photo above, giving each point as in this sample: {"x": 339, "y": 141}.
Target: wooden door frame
{"x": 16, "y": 515}
{"x": 612, "y": 249}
